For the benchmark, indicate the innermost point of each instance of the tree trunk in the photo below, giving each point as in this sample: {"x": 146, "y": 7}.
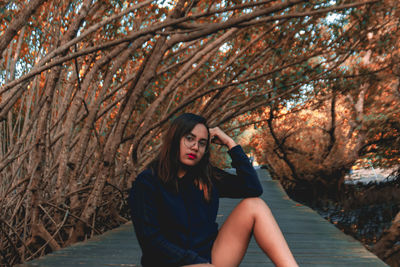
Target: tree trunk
{"x": 385, "y": 248}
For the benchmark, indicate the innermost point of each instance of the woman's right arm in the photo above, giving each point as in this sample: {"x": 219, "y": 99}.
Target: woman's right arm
{"x": 245, "y": 183}
{"x": 147, "y": 227}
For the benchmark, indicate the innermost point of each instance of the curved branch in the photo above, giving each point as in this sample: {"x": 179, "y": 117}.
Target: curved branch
{"x": 18, "y": 22}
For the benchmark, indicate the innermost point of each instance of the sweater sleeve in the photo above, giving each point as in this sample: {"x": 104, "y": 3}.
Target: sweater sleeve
{"x": 244, "y": 184}
{"x": 147, "y": 228}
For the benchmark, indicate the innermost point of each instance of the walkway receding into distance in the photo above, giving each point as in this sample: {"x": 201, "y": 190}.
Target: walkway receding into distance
{"x": 313, "y": 240}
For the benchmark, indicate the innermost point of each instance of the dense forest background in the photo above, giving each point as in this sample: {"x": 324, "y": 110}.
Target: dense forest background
{"x": 87, "y": 88}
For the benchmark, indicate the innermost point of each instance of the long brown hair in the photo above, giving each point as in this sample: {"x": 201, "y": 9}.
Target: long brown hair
{"x": 168, "y": 161}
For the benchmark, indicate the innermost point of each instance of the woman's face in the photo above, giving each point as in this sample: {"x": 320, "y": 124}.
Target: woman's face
{"x": 193, "y": 145}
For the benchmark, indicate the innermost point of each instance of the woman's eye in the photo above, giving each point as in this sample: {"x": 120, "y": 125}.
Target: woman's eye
{"x": 189, "y": 138}
{"x": 203, "y": 143}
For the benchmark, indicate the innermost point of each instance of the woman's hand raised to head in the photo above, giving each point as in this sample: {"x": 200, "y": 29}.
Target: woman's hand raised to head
{"x": 217, "y": 136}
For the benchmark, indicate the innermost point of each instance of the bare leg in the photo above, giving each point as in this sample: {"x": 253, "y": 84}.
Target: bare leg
{"x": 199, "y": 265}
{"x": 251, "y": 215}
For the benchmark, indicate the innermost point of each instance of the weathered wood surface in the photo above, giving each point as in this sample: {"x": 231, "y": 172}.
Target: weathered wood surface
{"x": 313, "y": 240}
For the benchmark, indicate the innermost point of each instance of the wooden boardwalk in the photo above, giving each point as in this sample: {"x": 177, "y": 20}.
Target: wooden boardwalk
{"x": 313, "y": 240}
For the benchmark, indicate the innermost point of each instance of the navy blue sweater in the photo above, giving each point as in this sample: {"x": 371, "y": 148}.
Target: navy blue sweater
{"x": 179, "y": 228}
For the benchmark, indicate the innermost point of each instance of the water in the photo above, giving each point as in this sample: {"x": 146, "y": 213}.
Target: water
{"x": 369, "y": 175}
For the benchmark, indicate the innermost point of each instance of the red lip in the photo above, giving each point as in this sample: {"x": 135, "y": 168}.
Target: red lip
{"x": 192, "y": 156}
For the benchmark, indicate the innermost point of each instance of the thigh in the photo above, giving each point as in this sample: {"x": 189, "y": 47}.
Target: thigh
{"x": 234, "y": 235}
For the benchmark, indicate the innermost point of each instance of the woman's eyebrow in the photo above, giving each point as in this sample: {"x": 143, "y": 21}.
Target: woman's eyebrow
{"x": 192, "y": 134}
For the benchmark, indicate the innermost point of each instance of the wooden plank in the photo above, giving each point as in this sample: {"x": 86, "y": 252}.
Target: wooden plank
{"x": 313, "y": 240}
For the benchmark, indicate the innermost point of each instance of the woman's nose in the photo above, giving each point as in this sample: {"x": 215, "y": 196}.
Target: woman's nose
{"x": 195, "y": 146}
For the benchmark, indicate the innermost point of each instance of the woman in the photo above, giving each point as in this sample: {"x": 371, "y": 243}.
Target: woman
{"x": 174, "y": 203}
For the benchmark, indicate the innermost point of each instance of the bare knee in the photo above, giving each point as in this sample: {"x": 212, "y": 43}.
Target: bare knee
{"x": 254, "y": 205}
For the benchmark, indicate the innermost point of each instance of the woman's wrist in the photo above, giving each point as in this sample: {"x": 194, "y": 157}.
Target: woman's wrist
{"x": 231, "y": 144}
{"x": 221, "y": 138}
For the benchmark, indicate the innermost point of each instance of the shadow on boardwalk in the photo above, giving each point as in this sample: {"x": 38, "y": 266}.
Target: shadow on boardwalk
{"x": 313, "y": 241}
